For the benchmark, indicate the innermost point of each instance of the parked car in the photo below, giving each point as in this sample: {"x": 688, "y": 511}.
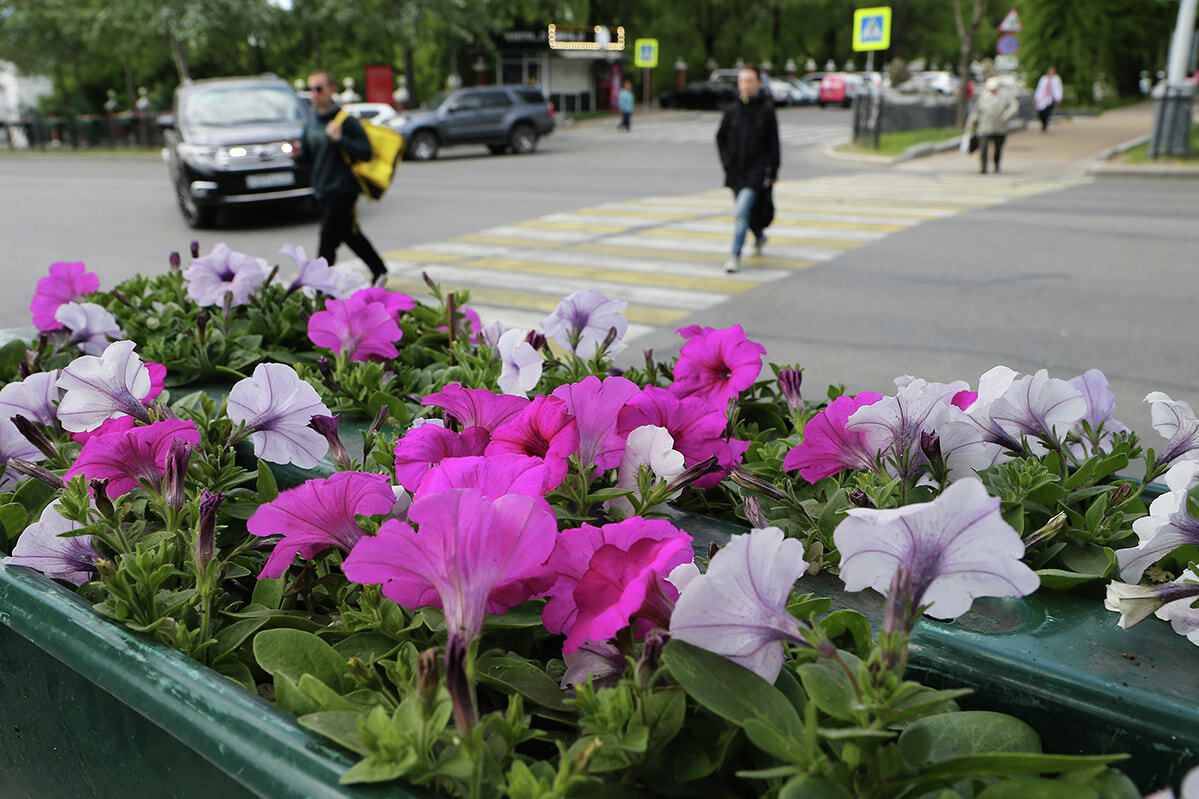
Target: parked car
{"x": 228, "y": 145}
{"x": 702, "y": 95}
{"x": 839, "y": 88}
{"x": 803, "y": 92}
{"x": 501, "y": 117}
{"x": 780, "y": 91}
{"x": 376, "y": 114}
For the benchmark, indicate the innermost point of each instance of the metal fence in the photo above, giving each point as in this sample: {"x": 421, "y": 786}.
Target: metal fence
{"x": 876, "y": 113}
{"x": 81, "y": 132}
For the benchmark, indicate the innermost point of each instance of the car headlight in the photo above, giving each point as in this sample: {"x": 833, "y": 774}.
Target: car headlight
{"x": 198, "y": 154}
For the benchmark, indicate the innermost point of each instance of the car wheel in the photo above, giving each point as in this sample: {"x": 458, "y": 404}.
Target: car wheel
{"x": 196, "y": 215}
{"x": 497, "y": 149}
{"x": 523, "y": 139}
{"x": 821, "y": 103}
{"x": 846, "y": 103}
{"x": 423, "y": 146}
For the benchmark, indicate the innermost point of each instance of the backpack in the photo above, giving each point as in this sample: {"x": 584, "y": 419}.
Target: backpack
{"x": 374, "y": 176}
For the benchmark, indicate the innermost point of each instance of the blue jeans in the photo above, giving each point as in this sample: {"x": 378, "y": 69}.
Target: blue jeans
{"x": 744, "y": 206}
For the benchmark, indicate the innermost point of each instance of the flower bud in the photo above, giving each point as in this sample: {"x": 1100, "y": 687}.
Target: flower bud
{"x": 202, "y": 323}
{"x": 327, "y": 427}
{"x": 930, "y": 445}
{"x": 428, "y": 281}
{"x": 756, "y": 484}
{"x": 273, "y": 274}
{"x": 99, "y": 487}
{"x": 1120, "y": 495}
{"x": 651, "y": 657}
{"x": 609, "y": 340}
{"x": 206, "y": 529}
{"x": 34, "y": 435}
{"x": 428, "y": 676}
{"x": 1047, "y": 531}
{"x": 195, "y": 248}
{"x": 858, "y": 499}
{"x": 693, "y": 473}
{"x": 535, "y": 340}
{"x": 179, "y": 455}
{"x": 790, "y": 381}
{"x": 227, "y": 307}
{"x": 465, "y": 714}
{"x": 649, "y": 361}
{"x": 174, "y": 260}
{"x": 121, "y": 298}
{"x": 28, "y": 469}
{"x": 614, "y": 371}
{"x": 753, "y": 513}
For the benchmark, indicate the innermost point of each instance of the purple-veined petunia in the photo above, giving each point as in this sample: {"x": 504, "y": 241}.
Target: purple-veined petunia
{"x": 132, "y": 457}
{"x": 476, "y": 407}
{"x": 223, "y": 271}
{"x": 738, "y": 608}
{"x": 91, "y": 326}
{"x": 494, "y": 475}
{"x": 1171, "y": 601}
{"x": 698, "y": 428}
{"x": 15, "y": 445}
{"x": 596, "y": 406}
{"x": 356, "y": 328}
{"x": 950, "y": 550}
{"x": 319, "y": 514}
{"x": 716, "y": 365}
{"x": 1176, "y": 422}
{"x": 1038, "y": 406}
{"x": 311, "y": 273}
{"x": 652, "y": 447}
{"x": 583, "y": 321}
{"x": 598, "y": 661}
{"x": 891, "y": 426}
{"x": 520, "y": 364}
{"x": 36, "y": 398}
{"x": 1168, "y": 526}
{"x": 120, "y": 423}
{"x": 43, "y": 547}
{"x": 102, "y": 387}
{"x": 543, "y": 429}
{"x": 275, "y": 405}
{"x": 424, "y": 447}
{"x": 829, "y": 446}
{"x": 68, "y": 281}
{"x": 1183, "y": 618}
{"x": 471, "y": 555}
{"x": 1101, "y": 402}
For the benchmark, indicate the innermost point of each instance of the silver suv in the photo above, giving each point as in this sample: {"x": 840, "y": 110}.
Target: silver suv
{"x": 504, "y": 118}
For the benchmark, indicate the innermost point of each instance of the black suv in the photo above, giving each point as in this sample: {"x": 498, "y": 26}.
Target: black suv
{"x": 502, "y": 117}
{"x": 229, "y": 144}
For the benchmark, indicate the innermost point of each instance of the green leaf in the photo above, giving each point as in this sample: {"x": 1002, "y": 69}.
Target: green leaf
{"x": 268, "y": 592}
{"x": 1034, "y": 788}
{"x": 999, "y": 764}
{"x": 972, "y": 731}
{"x": 861, "y": 735}
{"x": 294, "y": 653}
{"x": 524, "y": 678}
{"x": 805, "y": 787}
{"x": 380, "y": 768}
{"x": 231, "y": 637}
{"x": 266, "y": 486}
{"x": 13, "y": 519}
{"x": 849, "y": 621}
{"x": 323, "y": 695}
{"x": 828, "y": 688}
{"x": 1062, "y": 580}
{"x": 289, "y": 697}
{"x": 664, "y": 714}
{"x": 366, "y": 646}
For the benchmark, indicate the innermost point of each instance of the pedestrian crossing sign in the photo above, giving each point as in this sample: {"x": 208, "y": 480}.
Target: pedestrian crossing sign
{"x": 645, "y": 53}
{"x": 872, "y": 28}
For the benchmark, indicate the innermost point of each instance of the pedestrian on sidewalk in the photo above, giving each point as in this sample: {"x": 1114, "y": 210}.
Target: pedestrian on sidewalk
{"x": 748, "y": 143}
{"x": 1048, "y": 95}
{"x": 625, "y": 102}
{"x": 988, "y": 119}
{"x": 327, "y": 147}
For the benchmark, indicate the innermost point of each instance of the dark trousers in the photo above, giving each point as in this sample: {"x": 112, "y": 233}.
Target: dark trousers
{"x": 984, "y": 144}
{"x": 626, "y": 120}
{"x": 339, "y": 223}
{"x": 1044, "y": 114}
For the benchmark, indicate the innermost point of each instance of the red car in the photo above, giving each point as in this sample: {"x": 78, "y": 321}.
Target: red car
{"x": 839, "y": 88}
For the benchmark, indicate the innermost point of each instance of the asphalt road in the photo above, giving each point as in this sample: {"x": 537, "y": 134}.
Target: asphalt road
{"x": 1098, "y": 274}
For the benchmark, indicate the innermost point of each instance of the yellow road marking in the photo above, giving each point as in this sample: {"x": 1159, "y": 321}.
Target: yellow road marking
{"x": 590, "y": 227}
{"x": 716, "y": 259}
{"x": 811, "y": 241}
{"x": 421, "y": 255}
{"x": 720, "y": 285}
{"x": 781, "y": 218}
{"x": 510, "y": 241}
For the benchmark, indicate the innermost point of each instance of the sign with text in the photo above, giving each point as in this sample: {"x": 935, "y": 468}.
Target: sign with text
{"x": 872, "y": 28}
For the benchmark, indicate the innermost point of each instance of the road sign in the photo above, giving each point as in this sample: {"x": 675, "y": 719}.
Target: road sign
{"x": 1007, "y": 44}
{"x": 1011, "y": 23}
{"x": 872, "y": 28}
{"x": 645, "y": 53}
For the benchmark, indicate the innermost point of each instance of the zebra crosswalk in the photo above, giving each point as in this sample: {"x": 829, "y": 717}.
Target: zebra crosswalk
{"x": 683, "y": 127}
{"x": 663, "y": 255}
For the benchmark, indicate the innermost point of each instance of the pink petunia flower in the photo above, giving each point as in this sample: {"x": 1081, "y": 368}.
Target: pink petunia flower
{"x": 424, "y": 447}
{"x": 476, "y": 407}
{"x": 698, "y": 429}
{"x": 68, "y": 281}
{"x": 828, "y": 446}
{"x": 356, "y": 328}
{"x": 716, "y": 365}
{"x": 102, "y": 387}
{"x": 129, "y": 458}
{"x": 596, "y": 406}
{"x": 394, "y": 301}
{"x": 494, "y": 475}
{"x": 223, "y": 271}
{"x": 573, "y": 555}
{"x": 471, "y": 555}
{"x": 542, "y": 430}
{"x": 43, "y": 547}
{"x": 319, "y": 514}
{"x": 275, "y": 405}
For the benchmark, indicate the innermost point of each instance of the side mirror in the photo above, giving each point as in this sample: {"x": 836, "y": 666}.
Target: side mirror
{"x": 452, "y": 107}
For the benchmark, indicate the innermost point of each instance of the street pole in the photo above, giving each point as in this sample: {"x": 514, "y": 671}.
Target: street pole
{"x": 1172, "y": 122}
{"x": 645, "y": 87}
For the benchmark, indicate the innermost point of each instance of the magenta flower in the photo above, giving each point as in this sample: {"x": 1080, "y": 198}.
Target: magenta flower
{"x": 103, "y": 387}
{"x": 127, "y": 459}
{"x": 394, "y": 301}
{"x": 542, "y": 430}
{"x": 319, "y": 514}
{"x": 356, "y": 328}
{"x": 716, "y": 365}
{"x": 573, "y": 554}
{"x": 696, "y": 427}
{"x": 223, "y": 271}
{"x": 428, "y": 445}
{"x": 828, "y": 445}
{"x": 91, "y": 326}
{"x": 583, "y": 321}
{"x": 494, "y": 475}
{"x": 595, "y": 407}
{"x": 738, "y": 608}
{"x": 68, "y": 281}
{"x": 471, "y": 555}
{"x": 476, "y": 407}
{"x": 275, "y": 405}
{"x": 43, "y": 547}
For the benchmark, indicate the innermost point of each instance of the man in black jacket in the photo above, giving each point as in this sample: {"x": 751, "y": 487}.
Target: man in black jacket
{"x": 748, "y": 141}
{"x": 326, "y": 145}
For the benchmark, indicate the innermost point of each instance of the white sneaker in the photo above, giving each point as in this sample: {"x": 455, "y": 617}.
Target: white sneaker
{"x": 759, "y": 244}
{"x": 733, "y": 264}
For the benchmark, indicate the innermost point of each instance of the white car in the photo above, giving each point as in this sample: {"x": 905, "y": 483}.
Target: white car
{"x": 376, "y": 114}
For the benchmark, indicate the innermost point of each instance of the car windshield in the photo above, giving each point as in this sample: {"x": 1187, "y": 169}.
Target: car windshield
{"x": 241, "y": 105}
{"x": 436, "y": 101}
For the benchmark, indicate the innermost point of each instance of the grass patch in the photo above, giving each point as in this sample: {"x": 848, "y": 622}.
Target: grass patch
{"x": 1140, "y": 153}
{"x": 892, "y": 144}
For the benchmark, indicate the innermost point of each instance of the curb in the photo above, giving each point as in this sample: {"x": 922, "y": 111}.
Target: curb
{"x": 1101, "y": 169}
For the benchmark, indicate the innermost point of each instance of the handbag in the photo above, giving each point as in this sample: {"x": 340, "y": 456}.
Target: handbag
{"x": 973, "y": 142}
{"x": 374, "y": 175}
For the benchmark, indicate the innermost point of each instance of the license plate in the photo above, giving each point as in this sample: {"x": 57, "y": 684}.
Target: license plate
{"x": 265, "y": 180}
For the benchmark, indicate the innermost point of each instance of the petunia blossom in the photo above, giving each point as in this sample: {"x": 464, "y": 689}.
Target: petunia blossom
{"x": 652, "y": 447}
{"x": 1183, "y": 618}
{"x": 596, "y": 406}
{"x": 424, "y": 447}
{"x": 275, "y": 405}
{"x": 394, "y": 301}
{"x": 319, "y": 514}
{"x": 1101, "y": 402}
{"x": 223, "y": 271}
{"x": 950, "y": 550}
{"x": 598, "y": 661}
{"x": 1168, "y": 526}
{"x": 91, "y": 326}
{"x": 738, "y": 608}
{"x": 1176, "y": 422}
{"x": 476, "y": 407}
{"x": 471, "y": 555}
{"x": 1135, "y": 603}
{"x": 891, "y": 427}
{"x": 521, "y": 365}
{"x": 716, "y": 365}
{"x": 542, "y": 430}
{"x": 494, "y": 475}
{"x": 311, "y": 273}
{"x": 129, "y": 458}
{"x": 359, "y": 329}
{"x": 828, "y": 445}
{"x": 1039, "y": 406}
{"x": 36, "y": 398}
{"x": 43, "y": 547}
{"x": 15, "y": 445}
{"x": 68, "y": 281}
{"x": 102, "y": 387}
{"x": 583, "y": 321}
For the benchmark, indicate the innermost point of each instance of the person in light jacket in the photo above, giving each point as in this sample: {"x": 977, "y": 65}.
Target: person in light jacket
{"x": 988, "y": 119}
{"x": 1047, "y": 96}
